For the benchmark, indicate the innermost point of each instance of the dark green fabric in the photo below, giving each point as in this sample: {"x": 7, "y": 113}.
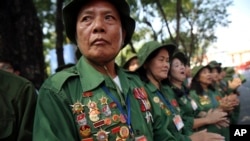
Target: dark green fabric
{"x": 211, "y": 102}
{"x": 17, "y": 106}
{"x": 152, "y": 90}
{"x": 55, "y": 120}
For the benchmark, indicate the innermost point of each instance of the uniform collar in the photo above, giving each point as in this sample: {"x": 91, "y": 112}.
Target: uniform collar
{"x": 90, "y": 78}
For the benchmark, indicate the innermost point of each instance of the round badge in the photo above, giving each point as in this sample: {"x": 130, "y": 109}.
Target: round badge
{"x": 107, "y": 121}
{"x": 116, "y": 118}
{"x": 102, "y": 135}
{"x": 124, "y": 132}
{"x": 122, "y": 118}
{"x": 94, "y": 117}
{"x": 85, "y": 131}
{"x": 156, "y": 99}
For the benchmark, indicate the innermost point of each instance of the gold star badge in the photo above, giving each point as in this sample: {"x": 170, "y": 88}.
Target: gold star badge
{"x": 104, "y": 100}
{"x": 77, "y": 107}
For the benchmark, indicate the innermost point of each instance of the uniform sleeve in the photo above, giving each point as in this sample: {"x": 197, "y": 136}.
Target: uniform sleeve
{"x": 26, "y": 103}
{"x": 54, "y": 120}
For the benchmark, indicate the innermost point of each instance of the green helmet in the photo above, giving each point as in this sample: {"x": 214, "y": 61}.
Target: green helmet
{"x": 150, "y": 47}
{"x": 196, "y": 69}
{"x": 71, "y": 10}
{"x": 214, "y": 64}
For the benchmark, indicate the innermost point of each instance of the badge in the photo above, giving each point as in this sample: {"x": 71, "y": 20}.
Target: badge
{"x": 107, "y": 121}
{"x": 92, "y": 105}
{"x": 167, "y": 111}
{"x": 88, "y": 139}
{"x": 115, "y": 129}
{"x": 113, "y": 105}
{"x": 81, "y": 119}
{"x": 99, "y": 123}
{"x": 87, "y": 94}
{"x": 104, "y": 100}
{"x": 141, "y": 138}
{"x": 178, "y": 122}
{"x": 122, "y": 118}
{"x": 124, "y": 132}
{"x": 194, "y": 105}
{"x": 85, "y": 131}
{"x": 102, "y": 135}
{"x": 156, "y": 99}
{"x": 149, "y": 117}
{"x": 184, "y": 100}
{"x": 106, "y": 110}
{"x": 77, "y": 108}
{"x": 119, "y": 139}
{"x": 116, "y": 118}
{"x": 174, "y": 103}
{"x": 94, "y": 115}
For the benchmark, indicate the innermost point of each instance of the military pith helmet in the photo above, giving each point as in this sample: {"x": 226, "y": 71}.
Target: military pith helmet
{"x": 214, "y": 64}
{"x": 71, "y": 10}
{"x": 196, "y": 69}
{"x": 150, "y": 47}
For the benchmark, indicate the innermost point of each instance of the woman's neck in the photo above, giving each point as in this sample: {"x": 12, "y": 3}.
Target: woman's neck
{"x": 153, "y": 80}
{"x": 176, "y": 83}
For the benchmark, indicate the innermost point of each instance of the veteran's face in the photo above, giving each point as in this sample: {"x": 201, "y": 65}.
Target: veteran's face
{"x": 99, "y": 32}
{"x": 178, "y": 70}
{"x": 158, "y": 66}
{"x": 205, "y": 76}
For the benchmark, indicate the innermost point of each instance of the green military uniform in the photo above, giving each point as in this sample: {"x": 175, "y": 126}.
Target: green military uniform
{"x": 81, "y": 104}
{"x": 188, "y": 107}
{"x": 168, "y": 110}
{"x": 17, "y": 102}
{"x": 206, "y": 101}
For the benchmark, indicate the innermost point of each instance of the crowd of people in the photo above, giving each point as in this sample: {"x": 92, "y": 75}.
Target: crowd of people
{"x": 153, "y": 95}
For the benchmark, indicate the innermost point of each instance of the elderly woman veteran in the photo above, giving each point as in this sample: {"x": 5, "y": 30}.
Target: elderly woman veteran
{"x": 188, "y": 107}
{"x": 153, "y": 70}
{"x": 95, "y": 99}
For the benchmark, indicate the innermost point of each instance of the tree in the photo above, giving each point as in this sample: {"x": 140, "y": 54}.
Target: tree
{"x": 21, "y": 38}
{"x": 190, "y": 24}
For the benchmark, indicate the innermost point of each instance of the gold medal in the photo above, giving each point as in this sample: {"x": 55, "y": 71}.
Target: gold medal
{"x": 104, "y": 100}
{"x": 85, "y": 131}
{"x": 102, "y": 135}
{"x": 77, "y": 108}
{"x": 156, "y": 99}
{"x": 168, "y": 112}
{"x": 124, "y": 132}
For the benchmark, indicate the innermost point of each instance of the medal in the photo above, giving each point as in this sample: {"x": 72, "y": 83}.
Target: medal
{"x": 104, "y": 100}
{"x": 156, "y": 99}
{"x": 168, "y": 111}
{"x": 119, "y": 139}
{"x": 113, "y": 105}
{"x": 106, "y": 110}
{"x": 87, "y": 94}
{"x": 124, "y": 132}
{"x": 92, "y": 105}
{"x": 98, "y": 123}
{"x": 116, "y": 118}
{"x": 81, "y": 119}
{"x": 102, "y": 135}
{"x": 122, "y": 118}
{"x": 77, "y": 108}
{"x": 107, "y": 121}
{"x": 85, "y": 131}
{"x": 174, "y": 103}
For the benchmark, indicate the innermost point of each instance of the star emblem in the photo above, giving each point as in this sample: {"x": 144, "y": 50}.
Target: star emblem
{"x": 77, "y": 107}
{"x": 104, "y": 100}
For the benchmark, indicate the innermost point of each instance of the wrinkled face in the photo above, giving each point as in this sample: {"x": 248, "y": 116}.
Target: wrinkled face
{"x": 178, "y": 70}
{"x": 99, "y": 32}
{"x": 215, "y": 74}
{"x": 158, "y": 66}
{"x": 205, "y": 76}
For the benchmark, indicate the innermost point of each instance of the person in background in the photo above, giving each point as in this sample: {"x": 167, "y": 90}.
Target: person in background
{"x": 96, "y": 99}
{"x": 153, "y": 69}
{"x": 8, "y": 66}
{"x": 206, "y": 96}
{"x": 17, "y": 102}
{"x": 127, "y": 59}
{"x": 188, "y": 107}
